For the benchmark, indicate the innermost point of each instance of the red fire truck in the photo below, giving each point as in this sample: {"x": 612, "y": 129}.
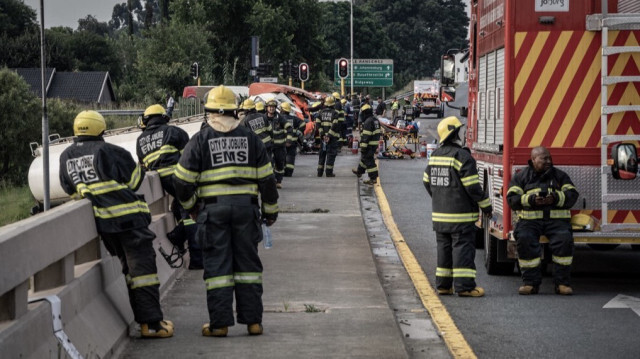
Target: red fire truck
{"x": 564, "y": 74}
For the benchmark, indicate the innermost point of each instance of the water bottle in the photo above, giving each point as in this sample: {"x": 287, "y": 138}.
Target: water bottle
{"x": 267, "y": 241}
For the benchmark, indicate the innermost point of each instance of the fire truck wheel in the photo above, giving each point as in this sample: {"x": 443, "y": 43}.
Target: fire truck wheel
{"x": 602, "y": 247}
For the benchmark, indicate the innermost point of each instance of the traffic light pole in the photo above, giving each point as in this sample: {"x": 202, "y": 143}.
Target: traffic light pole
{"x": 342, "y": 87}
{"x": 290, "y": 81}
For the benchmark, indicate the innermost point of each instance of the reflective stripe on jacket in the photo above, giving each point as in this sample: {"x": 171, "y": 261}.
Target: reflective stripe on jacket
{"x": 108, "y": 176}
{"x": 451, "y": 178}
{"x": 526, "y": 184}
{"x": 370, "y": 135}
{"x": 159, "y": 146}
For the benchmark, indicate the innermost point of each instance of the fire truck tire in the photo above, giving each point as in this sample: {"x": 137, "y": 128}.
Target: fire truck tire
{"x": 491, "y": 253}
{"x": 602, "y": 246}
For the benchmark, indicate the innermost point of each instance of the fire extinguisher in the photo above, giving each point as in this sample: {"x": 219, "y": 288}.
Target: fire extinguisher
{"x": 423, "y": 149}
{"x": 381, "y": 147}
{"x": 354, "y": 146}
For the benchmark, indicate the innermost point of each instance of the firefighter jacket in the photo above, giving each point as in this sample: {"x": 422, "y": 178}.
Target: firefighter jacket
{"x": 341, "y": 120}
{"x": 281, "y": 130}
{"x": 451, "y": 178}
{"x": 328, "y": 124}
{"x": 159, "y": 146}
{"x": 370, "y": 135}
{"x": 222, "y": 161}
{"x": 297, "y": 128}
{"x": 527, "y": 184}
{"x": 108, "y": 176}
{"x": 258, "y": 123}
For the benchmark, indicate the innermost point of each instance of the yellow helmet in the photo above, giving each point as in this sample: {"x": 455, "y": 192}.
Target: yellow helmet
{"x": 329, "y": 101}
{"x": 272, "y": 103}
{"x": 220, "y": 99}
{"x": 446, "y": 127}
{"x": 584, "y": 222}
{"x": 286, "y": 107}
{"x": 248, "y": 104}
{"x": 335, "y": 95}
{"x": 152, "y": 111}
{"x": 343, "y": 101}
{"x": 259, "y": 106}
{"x": 366, "y": 107}
{"x": 89, "y": 123}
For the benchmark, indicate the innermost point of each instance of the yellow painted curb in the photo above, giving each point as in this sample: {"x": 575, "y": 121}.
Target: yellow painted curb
{"x": 454, "y": 340}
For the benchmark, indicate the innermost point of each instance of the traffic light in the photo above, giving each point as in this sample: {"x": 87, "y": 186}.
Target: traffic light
{"x": 343, "y": 69}
{"x": 281, "y": 68}
{"x": 194, "y": 70}
{"x": 303, "y": 71}
{"x": 293, "y": 70}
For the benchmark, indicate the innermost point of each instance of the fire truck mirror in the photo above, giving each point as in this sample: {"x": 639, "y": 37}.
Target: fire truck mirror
{"x": 448, "y": 94}
{"x": 625, "y": 161}
{"x": 447, "y": 70}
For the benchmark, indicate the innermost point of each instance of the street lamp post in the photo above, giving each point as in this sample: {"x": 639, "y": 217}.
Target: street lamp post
{"x": 351, "y": 57}
{"x": 45, "y": 120}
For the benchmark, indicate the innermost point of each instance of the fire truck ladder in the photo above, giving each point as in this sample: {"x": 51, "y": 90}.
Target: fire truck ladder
{"x": 605, "y": 22}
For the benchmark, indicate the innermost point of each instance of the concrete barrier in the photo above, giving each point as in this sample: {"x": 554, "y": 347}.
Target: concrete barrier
{"x": 58, "y": 253}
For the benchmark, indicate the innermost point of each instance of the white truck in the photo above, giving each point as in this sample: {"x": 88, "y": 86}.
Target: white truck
{"x": 428, "y": 95}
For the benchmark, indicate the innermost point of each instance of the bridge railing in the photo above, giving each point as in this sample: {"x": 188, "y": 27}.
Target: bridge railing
{"x": 58, "y": 254}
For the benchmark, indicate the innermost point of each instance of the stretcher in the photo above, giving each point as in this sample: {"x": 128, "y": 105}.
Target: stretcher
{"x": 398, "y": 141}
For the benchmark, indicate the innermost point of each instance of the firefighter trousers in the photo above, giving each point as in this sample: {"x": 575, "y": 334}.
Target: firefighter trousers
{"x": 327, "y": 157}
{"x": 292, "y": 151}
{"x": 278, "y": 160}
{"x": 456, "y": 260}
{"x": 527, "y": 234}
{"x": 368, "y": 162}
{"x": 229, "y": 231}
{"x": 135, "y": 250}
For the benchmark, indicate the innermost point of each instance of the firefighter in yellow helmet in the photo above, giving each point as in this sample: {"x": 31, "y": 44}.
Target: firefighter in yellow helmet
{"x": 281, "y": 140}
{"x": 223, "y": 174}
{"x": 369, "y": 138}
{"x": 158, "y": 148}
{"x": 542, "y": 196}
{"x": 328, "y": 127}
{"x": 294, "y": 137}
{"x": 108, "y": 176}
{"x": 451, "y": 178}
{"x": 258, "y": 123}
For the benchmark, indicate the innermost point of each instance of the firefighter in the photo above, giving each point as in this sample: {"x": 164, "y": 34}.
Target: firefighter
{"x": 281, "y": 133}
{"x": 108, "y": 176}
{"x": 221, "y": 173}
{"x": 258, "y": 123}
{"x": 328, "y": 127}
{"x": 369, "y": 138}
{"x": 260, "y": 108}
{"x": 298, "y": 127}
{"x": 451, "y": 178}
{"x": 342, "y": 141}
{"x": 158, "y": 148}
{"x": 542, "y": 195}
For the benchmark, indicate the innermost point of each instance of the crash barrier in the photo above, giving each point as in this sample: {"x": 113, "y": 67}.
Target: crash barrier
{"x": 61, "y": 293}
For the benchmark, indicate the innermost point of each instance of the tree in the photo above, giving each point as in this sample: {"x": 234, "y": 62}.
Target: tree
{"x": 20, "y": 122}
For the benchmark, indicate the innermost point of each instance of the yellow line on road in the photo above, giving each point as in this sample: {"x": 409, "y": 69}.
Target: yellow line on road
{"x": 454, "y": 340}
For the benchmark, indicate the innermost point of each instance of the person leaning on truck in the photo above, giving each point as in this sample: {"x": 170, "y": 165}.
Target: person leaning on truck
{"x": 542, "y": 195}
{"x": 108, "y": 176}
{"x": 451, "y": 178}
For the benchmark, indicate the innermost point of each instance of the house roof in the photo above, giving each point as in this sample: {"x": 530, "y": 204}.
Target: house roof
{"x": 91, "y": 86}
{"x": 33, "y": 77}
{"x": 81, "y": 86}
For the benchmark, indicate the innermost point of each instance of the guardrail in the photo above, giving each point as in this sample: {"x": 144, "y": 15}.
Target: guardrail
{"x": 58, "y": 255}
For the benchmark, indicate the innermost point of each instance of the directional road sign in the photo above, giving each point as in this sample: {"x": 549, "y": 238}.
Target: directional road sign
{"x": 367, "y": 73}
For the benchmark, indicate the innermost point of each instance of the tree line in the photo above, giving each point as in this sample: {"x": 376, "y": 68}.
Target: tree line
{"x": 148, "y": 46}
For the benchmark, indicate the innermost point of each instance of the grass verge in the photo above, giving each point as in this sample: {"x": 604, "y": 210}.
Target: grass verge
{"x": 16, "y": 202}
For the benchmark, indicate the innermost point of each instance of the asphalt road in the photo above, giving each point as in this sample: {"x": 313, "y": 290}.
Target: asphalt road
{"x": 504, "y": 324}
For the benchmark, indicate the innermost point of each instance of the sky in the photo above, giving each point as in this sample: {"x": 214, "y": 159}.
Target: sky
{"x": 67, "y": 12}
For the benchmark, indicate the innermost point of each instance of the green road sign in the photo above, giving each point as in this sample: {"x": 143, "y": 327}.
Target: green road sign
{"x": 367, "y": 73}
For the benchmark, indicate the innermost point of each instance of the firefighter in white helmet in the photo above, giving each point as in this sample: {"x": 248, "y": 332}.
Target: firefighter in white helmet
{"x": 158, "y": 148}
{"x": 451, "y": 178}
{"x": 542, "y": 196}
{"x": 223, "y": 170}
{"x": 108, "y": 176}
